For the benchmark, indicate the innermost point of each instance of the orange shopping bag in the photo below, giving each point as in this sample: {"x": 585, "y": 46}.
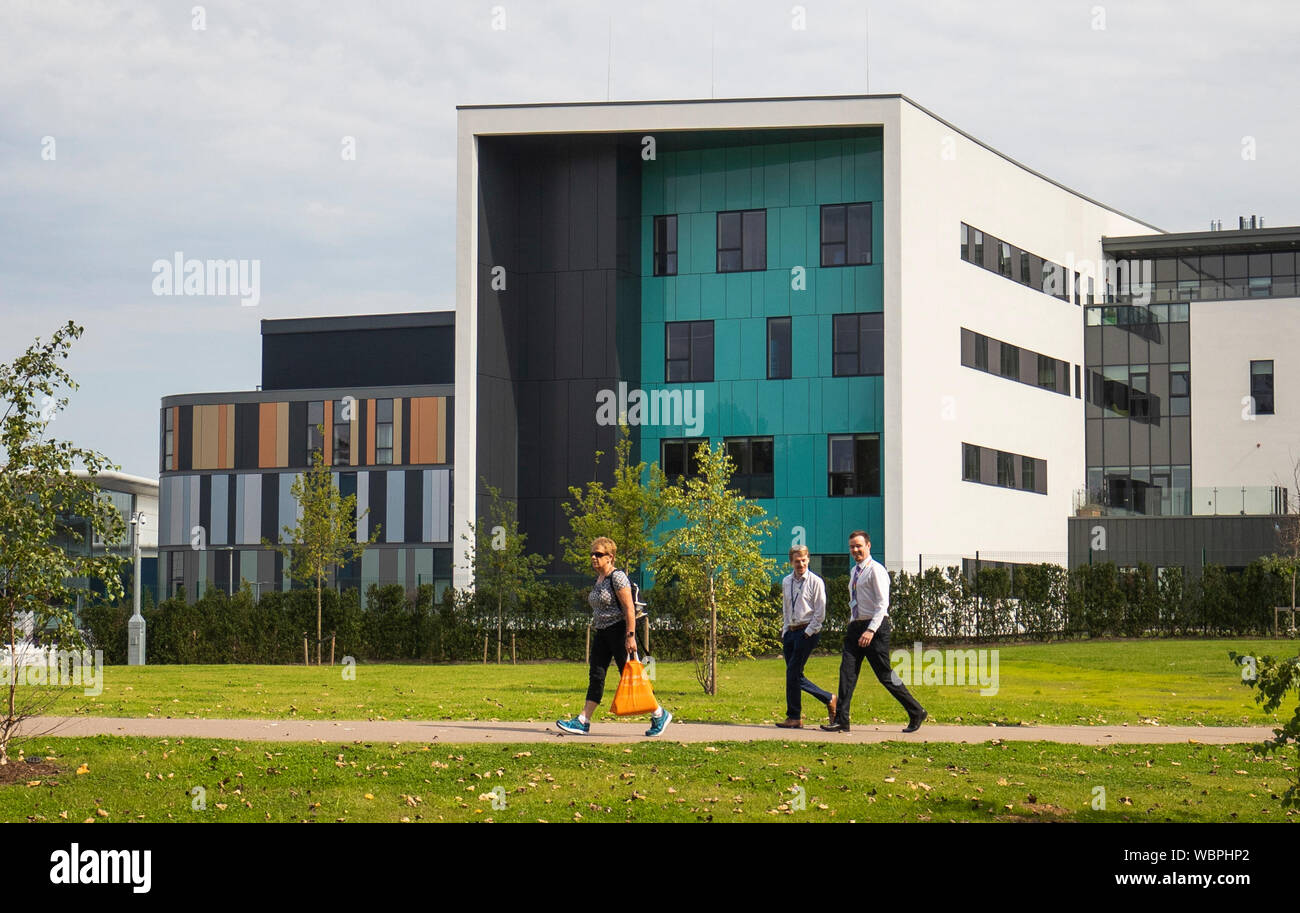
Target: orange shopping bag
{"x": 634, "y": 694}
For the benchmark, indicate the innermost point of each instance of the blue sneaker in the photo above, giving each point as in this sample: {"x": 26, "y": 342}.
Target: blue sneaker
{"x": 659, "y": 725}
{"x": 574, "y": 726}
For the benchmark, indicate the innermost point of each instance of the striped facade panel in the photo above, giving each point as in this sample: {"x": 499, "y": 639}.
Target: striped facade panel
{"x": 226, "y": 426}
{"x": 281, "y": 434}
{"x": 329, "y": 432}
{"x": 184, "y": 438}
{"x": 422, "y": 567}
{"x": 437, "y": 505}
{"x": 176, "y": 428}
{"x": 170, "y": 504}
{"x": 354, "y": 432}
{"x": 271, "y": 507}
{"x": 217, "y": 535}
{"x": 399, "y": 452}
{"x": 396, "y": 504}
{"x": 267, "y": 414}
{"x": 429, "y": 429}
{"x": 370, "y": 432}
{"x": 247, "y": 567}
{"x": 250, "y": 526}
{"x": 290, "y": 509}
{"x": 363, "y": 506}
{"x": 191, "y": 518}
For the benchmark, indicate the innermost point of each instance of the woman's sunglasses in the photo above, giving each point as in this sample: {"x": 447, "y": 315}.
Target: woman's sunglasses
{"x": 598, "y": 554}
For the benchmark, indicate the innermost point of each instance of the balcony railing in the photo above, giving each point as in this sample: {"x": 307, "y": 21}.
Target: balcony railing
{"x": 1154, "y": 501}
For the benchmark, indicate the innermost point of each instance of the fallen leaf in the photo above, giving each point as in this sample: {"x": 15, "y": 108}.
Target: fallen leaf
{"x": 83, "y": 769}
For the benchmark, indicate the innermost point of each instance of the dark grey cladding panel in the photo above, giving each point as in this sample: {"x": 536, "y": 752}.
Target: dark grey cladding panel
{"x": 597, "y": 316}
{"x": 533, "y": 435}
{"x": 569, "y": 329}
{"x": 584, "y": 197}
{"x": 359, "y": 357}
{"x": 538, "y": 362}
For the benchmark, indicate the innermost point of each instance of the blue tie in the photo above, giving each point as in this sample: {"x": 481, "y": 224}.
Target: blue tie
{"x": 853, "y": 594}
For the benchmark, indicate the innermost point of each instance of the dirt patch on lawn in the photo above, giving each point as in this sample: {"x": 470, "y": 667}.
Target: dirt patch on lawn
{"x": 21, "y": 773}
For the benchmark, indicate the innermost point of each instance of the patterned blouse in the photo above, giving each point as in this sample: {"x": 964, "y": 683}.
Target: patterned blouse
{"x": 605, "y": 608}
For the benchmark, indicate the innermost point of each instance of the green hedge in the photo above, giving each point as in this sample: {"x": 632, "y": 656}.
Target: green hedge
{"x": 1042, "y": 602}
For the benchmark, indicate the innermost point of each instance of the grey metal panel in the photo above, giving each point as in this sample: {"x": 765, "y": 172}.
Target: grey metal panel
{"x": 568, "y": 325}
{"x": 1160, "y": 441}
{"x": 192, "y": 515}
{"x": 175, "y": 511}
{"x": 967, "y": 347}
{"x": 1093, "y": 437}
{"x": 1180, "y": 440}
{"x": 597, "y": 314}
{"x": 437, "y": 525}
{"x": 1139, "y": 350}
{"x": 988, "y": 465}
{"x": 1114, "y": 346}
{"x": 290, "y": 513}
{"x": 1092, "y": 345}
{"x": 1179, "y": 342}
{"x": 396, "y": 509}
{"x": 387, "y": 565}
{"x": 251, "y": 528}
{"x": 1139, "y": 444}
{"x": 241, "y": 492}
{"x": 1159, "y": 352}
{"x": 220, "y": 509}
{"x": 363, "y": 505}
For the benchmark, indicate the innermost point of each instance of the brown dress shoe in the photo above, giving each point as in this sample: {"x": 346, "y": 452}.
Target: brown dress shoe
{"x": 831, "y": 707}
{"x": 790, "y": 724}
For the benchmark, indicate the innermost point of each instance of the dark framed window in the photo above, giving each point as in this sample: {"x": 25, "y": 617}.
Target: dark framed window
{"x": 1025, "y": 268}
{"x": 678, "y": 457}
{"x": 1261, "y": 386}
{"x": 977, "y": 247}
{"x": 383, "y": 431}
{"x": 1027, "y": 467}
{"x": 1047, "y": 372}
{"x": 858, "y": 345}
{"x": 981, "y": 352}
{"x": 688, "y": 351}
{"x": 970, "y": 463}
{"x": 169, "y": 439}
{"x": 1006, "y": 469}
{"x": 1180, "y": 391}
{"x": 665, "y": 245}
{"x": 342, "y": 433}
{"x": 742, "y": 240}
{"x": 778, "y": 348}
{"x": 854, "y": 465}
{"x": 1004, "y": 259}
{"x": 965, "y": 241}
{"x": 1009, "y": 365}
{"x": 1078, "y": 391}
{"x": 846, "y": 234}
{"x": 753, "y": 457}
{"x": 1139, "y": 396}
{"x": 176, "y": 573}
{"x": 315, "y": 424}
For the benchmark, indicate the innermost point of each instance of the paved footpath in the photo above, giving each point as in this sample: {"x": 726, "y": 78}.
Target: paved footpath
{"x": 452, "y": 732}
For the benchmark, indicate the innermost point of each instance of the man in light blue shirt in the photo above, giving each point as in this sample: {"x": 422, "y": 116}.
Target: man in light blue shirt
{"x": 803, "y": 608}
{"x": 867, "y": 637}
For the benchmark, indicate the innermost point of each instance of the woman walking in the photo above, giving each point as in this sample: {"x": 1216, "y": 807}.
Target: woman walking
{"x": 613, "y": 618}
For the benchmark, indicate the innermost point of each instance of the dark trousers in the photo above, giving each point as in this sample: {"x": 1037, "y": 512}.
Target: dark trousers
{"x": 877, "y": 654}
{"x": 606, "y": 644}
{"x": 796, "y": 648}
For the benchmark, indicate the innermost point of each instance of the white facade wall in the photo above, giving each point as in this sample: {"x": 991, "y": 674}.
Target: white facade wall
{"x": 1230, "y": 449}
{"x": 946, "y": 178}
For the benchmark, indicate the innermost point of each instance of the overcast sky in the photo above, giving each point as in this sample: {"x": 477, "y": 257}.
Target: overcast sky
{"x": 128, "y": 134}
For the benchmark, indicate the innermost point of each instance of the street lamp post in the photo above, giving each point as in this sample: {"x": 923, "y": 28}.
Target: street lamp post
{"x": 135, "y": 645}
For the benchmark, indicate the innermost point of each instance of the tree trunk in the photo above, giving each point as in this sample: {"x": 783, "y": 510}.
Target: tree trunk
{"x": 318, "y": 614}
{"x": 498, "y": 627}
{"x": 13, "y": 685}
{"x": 713, "y": 640}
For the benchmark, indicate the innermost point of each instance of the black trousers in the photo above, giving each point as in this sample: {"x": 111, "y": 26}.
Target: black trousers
{"x": 606, "y": 644}
{"x": 877, "y": 654}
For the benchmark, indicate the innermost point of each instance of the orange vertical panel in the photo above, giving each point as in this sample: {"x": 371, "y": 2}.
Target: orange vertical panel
{"x": 398, "y": 456}
{"x": 416, "y": 455}
{"x": 329, "y": 432}
{"x": 282, "y": 434}
{"x": 229, "y": 462}
{"x": 266, "y": 435}
{"x": 429, "y": 430}
{"x": 221, "y": 437}
{"x": 196, "y": 437}
{"x": 439, "y": 429}
{"x": 370, "y": 432}
{"x": 210, "y": 437}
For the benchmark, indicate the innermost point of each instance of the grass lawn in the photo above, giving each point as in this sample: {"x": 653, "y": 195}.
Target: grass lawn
{"x": 1170, "y": 682}
{"x": 114, "y": 779}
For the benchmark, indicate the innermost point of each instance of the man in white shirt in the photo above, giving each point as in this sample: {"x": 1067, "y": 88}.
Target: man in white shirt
{"x": 803, "y": 606}
{"x": 867, "y": 637}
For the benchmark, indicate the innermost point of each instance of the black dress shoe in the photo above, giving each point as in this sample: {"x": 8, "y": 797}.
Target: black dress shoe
{"x": 835, "y": 727}
{"x": 914, "y": 723}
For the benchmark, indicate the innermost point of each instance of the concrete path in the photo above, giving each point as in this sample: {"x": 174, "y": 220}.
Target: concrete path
{"x": 612, "y": 733}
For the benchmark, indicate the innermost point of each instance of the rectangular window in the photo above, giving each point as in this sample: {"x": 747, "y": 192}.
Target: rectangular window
{"x": 858, "y": 345}
{"x": 1078, "y": 392}
{"x": 1025, "y": 268}
{"x": 1006, "y": 469}
{"x": 1180, "y": 390}
{"x": 169, "y": 439}
{"x": 1004, "y": 259}
{"x": 970, "y": 463}
{"x": 665, "y": 245}
{"x": 778, "y": 348}
{"x": 342, "y": 432}
{"x": 846, "y": 234}
{"x": 1047, "y": 372}
{"x": 384, "y": 431}
{"x": 977, "y": 247}
{"x": 1010, "y": 366}
{"x": 1139, "y": 399}
{"x": 982, "y": 352}
{"x": 854, "y": 465}
{"x": 688, "y": 352}
{"x": 742, "y": 241}
{"x": 176, "y": 573}
{"x": 315, "y": 427}
{"x": 753, "y": 474}
{"x": 965, "y": 241}
{"x": 678, "y": 457}
{"x": 1027, "y": 473}
{"x": 1261, "y": 386}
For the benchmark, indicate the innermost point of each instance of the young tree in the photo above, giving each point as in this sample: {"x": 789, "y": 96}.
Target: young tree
{"x": 41, "y": 503}
{"x": 325, "y": 536}
{"x": 505, "y": 574}
{"x": 714, "y": 556}
{"x": 1273, "y": 679}
{"x": 1285, "y": 562}
{"x": 627, "y": 512}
